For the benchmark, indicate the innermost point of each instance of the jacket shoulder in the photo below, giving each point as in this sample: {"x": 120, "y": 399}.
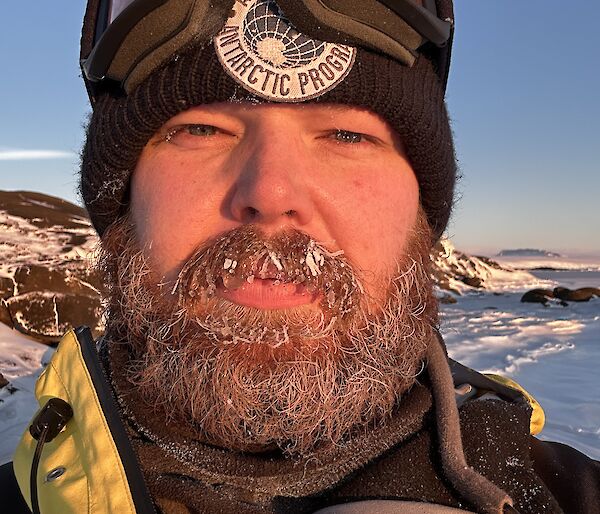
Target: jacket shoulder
{"x": 572, "y": 477}
{"x": 12, "y": 499}
{"x": 471, "y": 385}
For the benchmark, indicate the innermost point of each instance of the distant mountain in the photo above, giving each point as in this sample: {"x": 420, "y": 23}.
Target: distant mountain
{"x": 47, "y": 284}
{"x": 527, "y": 252}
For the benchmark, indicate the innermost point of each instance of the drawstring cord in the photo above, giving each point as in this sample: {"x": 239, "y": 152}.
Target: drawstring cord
{"x": 474, "y": 487}
{"x": 35, "y": 506}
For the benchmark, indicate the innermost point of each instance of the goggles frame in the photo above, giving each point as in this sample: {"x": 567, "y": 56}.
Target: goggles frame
{"x": 121, "y": 52}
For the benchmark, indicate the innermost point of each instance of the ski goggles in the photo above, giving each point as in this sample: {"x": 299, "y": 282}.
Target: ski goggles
{"x": 124, "y": 41}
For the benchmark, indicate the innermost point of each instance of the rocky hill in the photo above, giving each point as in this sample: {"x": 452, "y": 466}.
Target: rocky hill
{"x": 459, "y": 272}
{"x": 47, "y": 285}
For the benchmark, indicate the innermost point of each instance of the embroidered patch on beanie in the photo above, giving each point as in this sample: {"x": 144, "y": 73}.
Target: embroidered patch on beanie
{"x": 261, "y": 50}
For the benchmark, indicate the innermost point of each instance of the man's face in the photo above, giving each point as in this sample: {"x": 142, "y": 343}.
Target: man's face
{"x": 336, "y": 173}
{"x": 271, "y": 276}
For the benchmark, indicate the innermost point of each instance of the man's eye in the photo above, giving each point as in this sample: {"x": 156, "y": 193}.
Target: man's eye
{"x": 193, "y": 130}
{"x": 345, "y": 136}
{"x": 201, "y": 130}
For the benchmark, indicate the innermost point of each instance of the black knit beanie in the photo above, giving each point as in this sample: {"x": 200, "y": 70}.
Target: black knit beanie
{"x": 410, "y": 99}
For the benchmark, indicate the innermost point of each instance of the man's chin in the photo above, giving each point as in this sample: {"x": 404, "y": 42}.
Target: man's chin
{"x": 258, "y": 397}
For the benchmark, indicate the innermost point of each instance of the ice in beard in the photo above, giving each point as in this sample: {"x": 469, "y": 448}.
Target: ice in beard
{"x": 243, "y": 255}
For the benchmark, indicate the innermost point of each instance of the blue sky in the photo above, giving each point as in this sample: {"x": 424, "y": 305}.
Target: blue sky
{"x": 522, "y": 98}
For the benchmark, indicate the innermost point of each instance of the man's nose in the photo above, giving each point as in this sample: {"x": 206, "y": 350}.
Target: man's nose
{"x": 271, "y": 187}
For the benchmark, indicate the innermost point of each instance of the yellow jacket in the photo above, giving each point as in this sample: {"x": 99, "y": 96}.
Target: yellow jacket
{"x": 90, "y": 467}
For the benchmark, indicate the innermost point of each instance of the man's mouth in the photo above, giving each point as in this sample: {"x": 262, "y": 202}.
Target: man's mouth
{"x": 268, "y": 286}
{"x": 267, "y": 294}
{"x": 284, "y": 273}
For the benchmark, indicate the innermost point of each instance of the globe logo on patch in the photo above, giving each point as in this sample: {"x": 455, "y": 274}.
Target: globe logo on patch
{"x": 262, "y": 50}
{"x": 273, "y": 37}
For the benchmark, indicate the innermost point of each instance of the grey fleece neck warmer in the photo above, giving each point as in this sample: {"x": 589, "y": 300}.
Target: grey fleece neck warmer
{"x": 218, "y": 478}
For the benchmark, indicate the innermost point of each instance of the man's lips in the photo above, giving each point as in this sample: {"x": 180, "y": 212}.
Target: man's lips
{"x": 268, "y": 294}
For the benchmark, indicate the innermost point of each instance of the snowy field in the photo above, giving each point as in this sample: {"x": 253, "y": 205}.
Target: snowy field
{"x": 21, "y": 362}
{"x": 554, "y": 352}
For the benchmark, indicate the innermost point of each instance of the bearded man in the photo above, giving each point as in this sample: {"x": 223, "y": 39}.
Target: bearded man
{"x": 268, "y": 180}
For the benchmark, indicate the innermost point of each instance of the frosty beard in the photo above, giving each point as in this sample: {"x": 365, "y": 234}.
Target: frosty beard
{"x": 250, "y": 379}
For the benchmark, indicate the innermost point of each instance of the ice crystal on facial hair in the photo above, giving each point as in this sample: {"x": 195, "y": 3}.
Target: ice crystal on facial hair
{"x": 243, "y": 255}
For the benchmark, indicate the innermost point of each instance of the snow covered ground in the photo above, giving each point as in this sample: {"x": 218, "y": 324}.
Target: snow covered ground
{"x": 21, "y": 362}
{"x": 554, "y": 352}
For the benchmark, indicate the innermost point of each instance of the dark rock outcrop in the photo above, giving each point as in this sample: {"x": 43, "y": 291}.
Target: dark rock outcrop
{"x": 34, "y": 277}
{"x": 5, "y": 316}
{"x": 561, "y": 295}
{"x": 538, "y": 296}
{"x": 6, "y": 288}
{"x": 475, "y": 282}
{"x": 583, "y": 294}
{"x": 46, "y": 315}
